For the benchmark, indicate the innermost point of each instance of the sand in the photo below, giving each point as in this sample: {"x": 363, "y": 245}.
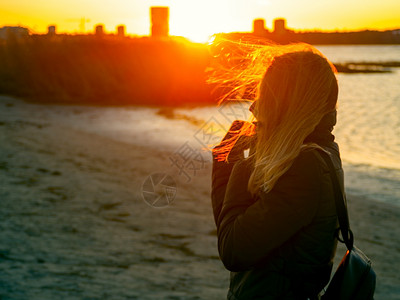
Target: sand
{"x": 74, "y": 223}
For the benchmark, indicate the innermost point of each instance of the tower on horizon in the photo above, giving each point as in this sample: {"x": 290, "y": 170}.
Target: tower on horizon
{"x": 51, "y": 30}
{"x": 99, "y": 30}
{"x": 159, "y": 21}
{"x": 279, "y": 26}
{"x": 121, "y": 31}
{"x": 259, "y": 27}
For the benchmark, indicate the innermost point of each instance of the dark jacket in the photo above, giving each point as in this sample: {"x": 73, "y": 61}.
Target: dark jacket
{"x": 281, "y": 244}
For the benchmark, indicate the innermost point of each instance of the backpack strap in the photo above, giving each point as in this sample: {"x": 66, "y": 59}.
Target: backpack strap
{"x": 340, "y": 203}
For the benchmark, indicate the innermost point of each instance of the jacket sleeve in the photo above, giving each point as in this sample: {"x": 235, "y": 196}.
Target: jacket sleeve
{"x": 250, "y": 230}
{"x": 219, "y": 181}
{"x": 221, "y": 170}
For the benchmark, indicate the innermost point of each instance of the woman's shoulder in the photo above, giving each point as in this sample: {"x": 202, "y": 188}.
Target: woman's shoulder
{"x": 307, "y": 162}
{"x": 311, "y": 159}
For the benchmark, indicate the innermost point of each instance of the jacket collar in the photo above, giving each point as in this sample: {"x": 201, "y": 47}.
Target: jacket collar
{"x": 323, "y": 131}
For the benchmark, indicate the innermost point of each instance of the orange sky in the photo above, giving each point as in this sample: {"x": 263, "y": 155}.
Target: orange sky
{"x": 199, "y": 19}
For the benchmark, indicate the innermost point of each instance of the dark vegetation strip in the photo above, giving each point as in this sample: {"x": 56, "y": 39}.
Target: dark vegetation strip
{"x": 89, "y": 70}
{"x": 104, "y": 72}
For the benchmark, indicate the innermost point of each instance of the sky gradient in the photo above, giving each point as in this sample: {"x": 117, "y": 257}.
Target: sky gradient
{"x": 199, "y": 19}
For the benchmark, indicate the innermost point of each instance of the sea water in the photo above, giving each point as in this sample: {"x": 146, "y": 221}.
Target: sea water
{"x": 368, "y": 128}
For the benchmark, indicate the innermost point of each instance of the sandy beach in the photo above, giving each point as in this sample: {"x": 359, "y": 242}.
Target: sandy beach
{"x": 74, "y": 223}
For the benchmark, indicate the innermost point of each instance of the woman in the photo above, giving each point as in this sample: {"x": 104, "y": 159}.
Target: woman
{"x": 275, "y": 210}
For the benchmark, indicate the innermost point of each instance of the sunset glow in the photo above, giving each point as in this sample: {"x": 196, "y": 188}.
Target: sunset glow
{"x": 197, "y": 20}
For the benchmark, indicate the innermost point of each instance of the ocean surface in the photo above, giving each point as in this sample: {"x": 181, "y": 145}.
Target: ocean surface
{"x": 368, "y": 128}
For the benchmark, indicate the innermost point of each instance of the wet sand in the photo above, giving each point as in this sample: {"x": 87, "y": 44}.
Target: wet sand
{"x": 74, "y": 224}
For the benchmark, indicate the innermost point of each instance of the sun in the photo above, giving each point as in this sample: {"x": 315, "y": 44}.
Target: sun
{"x": 198, "y": 21}
{"x": 194, "y": 34}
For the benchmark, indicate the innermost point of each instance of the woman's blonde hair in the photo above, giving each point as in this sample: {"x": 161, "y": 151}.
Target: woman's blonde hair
{"x": 297, "y": 89}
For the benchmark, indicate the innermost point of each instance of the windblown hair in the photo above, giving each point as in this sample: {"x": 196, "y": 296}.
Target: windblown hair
{"x": 297, "y": 89}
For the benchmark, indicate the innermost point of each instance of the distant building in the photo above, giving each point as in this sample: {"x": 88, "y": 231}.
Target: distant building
{"x": 99, "y": 31}
{"x": 259, "y": 27}
{"x": 279, "y": 26}
{"x": 9, "y": 32}
{"x": 159, "y": 21}
{"x": 51, "y": 30}
{"x": 121, "y": 31}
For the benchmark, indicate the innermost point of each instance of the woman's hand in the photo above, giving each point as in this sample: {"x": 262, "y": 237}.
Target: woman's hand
{"x": 237, "y": 139}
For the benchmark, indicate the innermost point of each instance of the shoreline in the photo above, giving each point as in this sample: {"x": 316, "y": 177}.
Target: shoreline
{"x": 74, "y": 222}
